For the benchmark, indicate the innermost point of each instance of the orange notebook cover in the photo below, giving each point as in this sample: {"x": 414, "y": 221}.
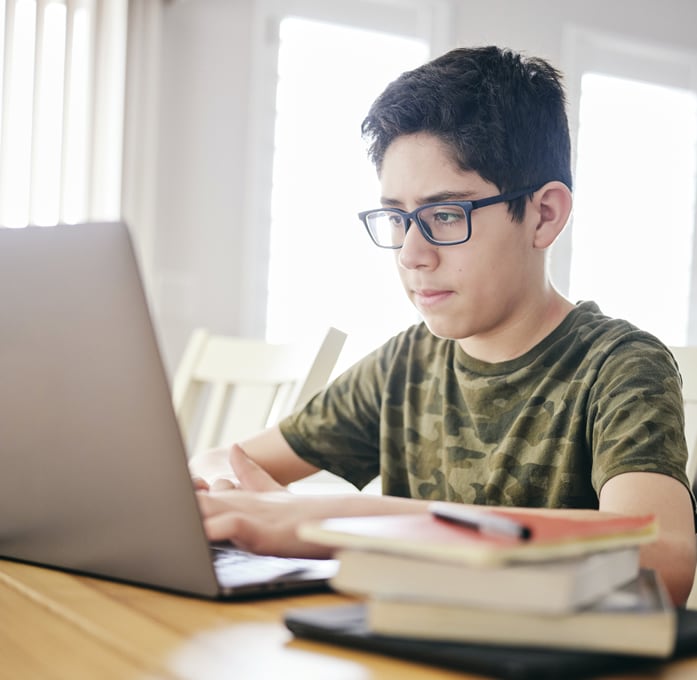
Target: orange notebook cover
{"x": 553, "y": 534}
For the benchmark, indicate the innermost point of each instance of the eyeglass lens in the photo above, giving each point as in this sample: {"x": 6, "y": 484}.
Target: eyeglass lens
{"x": 443, "y": 223}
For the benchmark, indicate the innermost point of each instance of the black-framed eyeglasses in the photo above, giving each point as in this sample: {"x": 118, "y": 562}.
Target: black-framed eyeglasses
{"x": 442, "y": 224}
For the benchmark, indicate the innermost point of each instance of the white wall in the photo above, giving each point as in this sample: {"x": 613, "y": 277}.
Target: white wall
{"x": 199, "y": 267}
{"x": 537, "y": 26}
{"x": 201, "y": 167}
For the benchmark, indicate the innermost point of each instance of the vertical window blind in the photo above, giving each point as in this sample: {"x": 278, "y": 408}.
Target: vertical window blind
{"x": 62, "y": 70}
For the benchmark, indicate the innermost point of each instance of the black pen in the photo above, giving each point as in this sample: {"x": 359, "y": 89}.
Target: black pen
{"x": 480, "y": 520}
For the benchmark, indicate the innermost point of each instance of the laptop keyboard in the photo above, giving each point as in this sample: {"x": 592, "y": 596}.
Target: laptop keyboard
{"x": 234, "y": 566}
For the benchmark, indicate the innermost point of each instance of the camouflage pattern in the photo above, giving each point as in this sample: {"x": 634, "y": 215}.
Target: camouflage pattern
{"x": 594, "y": 399}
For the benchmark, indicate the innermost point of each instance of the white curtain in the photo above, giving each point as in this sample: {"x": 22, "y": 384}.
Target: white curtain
{"x": 78, "y": 103}
{"x": 61, "y": 115}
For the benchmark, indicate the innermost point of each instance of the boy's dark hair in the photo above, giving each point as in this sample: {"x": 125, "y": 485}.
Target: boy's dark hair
{"x": 501, "y": 114}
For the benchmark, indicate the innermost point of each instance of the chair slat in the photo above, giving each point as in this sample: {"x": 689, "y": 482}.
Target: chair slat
{"x": 227, "y": 388}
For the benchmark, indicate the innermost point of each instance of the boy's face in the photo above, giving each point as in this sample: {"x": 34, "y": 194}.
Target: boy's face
{"x": 480, "y": 290}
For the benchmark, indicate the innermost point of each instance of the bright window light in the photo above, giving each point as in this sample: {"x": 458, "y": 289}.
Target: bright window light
{"x": 2, "y": 52}
{"x": 323, "y": 268}
{"x": 20, "y": 84}
{"x": 634, "y": 215}
{"x": 49, "y": 119}
{"x": 75, "y": 199}
{"x": 62, "y": 78}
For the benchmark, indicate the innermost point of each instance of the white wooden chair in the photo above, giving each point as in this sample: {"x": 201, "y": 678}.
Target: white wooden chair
{"x": 226, "y": 388}
{"x": 687, "y": 362}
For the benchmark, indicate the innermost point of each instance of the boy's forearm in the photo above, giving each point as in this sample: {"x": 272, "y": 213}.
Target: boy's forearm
{"x": 673, "y": 557}
{"x": 270, "y": 450}
{"x": 674, "y": 554}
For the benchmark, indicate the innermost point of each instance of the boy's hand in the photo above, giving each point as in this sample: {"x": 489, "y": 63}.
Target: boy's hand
{"x": 244, "y": 474}
{"x": 250, "y": 476}
{"x": 255, "y": 512}
{"x": 209, "y": 465}
{"x": 249, "y": 508}
{"x": 260, "y": 515}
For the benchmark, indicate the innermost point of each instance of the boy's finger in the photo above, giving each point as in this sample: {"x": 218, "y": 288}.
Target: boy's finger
{"x": 252, "y": 477}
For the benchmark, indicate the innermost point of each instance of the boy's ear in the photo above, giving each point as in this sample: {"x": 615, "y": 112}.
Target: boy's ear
{"x": 552, "y": 204}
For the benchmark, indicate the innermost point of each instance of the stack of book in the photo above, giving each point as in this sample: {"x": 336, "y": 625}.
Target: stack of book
{"x": 561, "y": 579}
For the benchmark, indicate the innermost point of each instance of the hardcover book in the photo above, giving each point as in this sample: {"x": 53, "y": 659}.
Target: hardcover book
{"x": 553, "y": 534}
{"x": 553, "y": 586}
{"x": 637, "y": 618}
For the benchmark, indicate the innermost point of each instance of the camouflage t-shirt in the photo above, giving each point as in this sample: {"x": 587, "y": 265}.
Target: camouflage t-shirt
{"x": 596, "y": 398}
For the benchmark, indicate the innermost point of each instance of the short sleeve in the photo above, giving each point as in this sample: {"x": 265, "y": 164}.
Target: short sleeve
{"x": 636, "y": 414}
{"x": 338, "y": 430}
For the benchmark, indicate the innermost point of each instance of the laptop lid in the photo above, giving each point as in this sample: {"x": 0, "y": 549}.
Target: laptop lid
{"x": 93, "y": 471}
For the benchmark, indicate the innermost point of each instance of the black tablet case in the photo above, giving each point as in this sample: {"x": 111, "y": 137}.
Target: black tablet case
{"x": 345, "y": 625}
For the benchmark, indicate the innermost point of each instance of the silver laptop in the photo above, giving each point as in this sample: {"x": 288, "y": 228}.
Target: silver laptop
{"x": 93, "y": 471}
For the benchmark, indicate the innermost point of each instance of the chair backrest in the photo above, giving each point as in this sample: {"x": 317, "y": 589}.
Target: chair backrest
{"x": 227, "y": 388}
{"x": 687, "y": 362}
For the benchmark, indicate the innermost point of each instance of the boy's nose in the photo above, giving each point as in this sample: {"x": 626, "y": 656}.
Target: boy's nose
{"x": 416, "y": 251}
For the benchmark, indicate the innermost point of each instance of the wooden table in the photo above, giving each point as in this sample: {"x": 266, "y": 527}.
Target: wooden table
{"x": 55, "y": 625}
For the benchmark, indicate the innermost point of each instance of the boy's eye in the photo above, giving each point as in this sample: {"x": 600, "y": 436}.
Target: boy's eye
{"x": 443, "y": 215}
{"x": 446, "y": 216}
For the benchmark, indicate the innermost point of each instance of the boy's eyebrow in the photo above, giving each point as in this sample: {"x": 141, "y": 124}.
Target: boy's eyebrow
{"x": 433, "y": 198}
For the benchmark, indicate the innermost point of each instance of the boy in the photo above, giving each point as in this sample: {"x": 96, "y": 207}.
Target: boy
{"x": 507, "y": 393}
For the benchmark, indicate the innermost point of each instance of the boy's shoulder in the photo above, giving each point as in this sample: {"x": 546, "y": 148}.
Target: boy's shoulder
{"x": 603, "y": 335}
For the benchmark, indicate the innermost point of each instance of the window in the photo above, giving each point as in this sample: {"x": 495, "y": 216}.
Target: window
{"x": 323, "y": 268}
{"x": 310, "y": 255}
{"x": 632, "y": 243}
{"x": 61, "y": 117}
{"x": 634, "y": 218}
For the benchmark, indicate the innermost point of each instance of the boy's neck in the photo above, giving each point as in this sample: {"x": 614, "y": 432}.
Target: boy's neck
{"x": 521, "y": 333}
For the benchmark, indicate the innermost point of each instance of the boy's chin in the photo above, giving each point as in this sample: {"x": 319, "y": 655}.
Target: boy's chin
{"x": 447, "y": 331}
